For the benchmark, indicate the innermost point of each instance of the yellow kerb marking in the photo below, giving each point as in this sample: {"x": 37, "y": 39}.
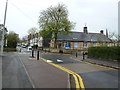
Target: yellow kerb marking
{"x": 94, "y": 64}
{"x": 77, "y": 78}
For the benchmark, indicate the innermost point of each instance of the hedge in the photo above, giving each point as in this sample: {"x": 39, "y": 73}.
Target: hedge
{"x": 9, "y": 49}
{"x": 104, "y": 52}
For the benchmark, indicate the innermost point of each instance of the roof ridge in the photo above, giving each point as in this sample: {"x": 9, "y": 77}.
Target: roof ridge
{"x": 94, "y": 33}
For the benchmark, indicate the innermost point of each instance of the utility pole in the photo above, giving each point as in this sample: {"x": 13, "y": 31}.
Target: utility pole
{"x": 2, "y": 42}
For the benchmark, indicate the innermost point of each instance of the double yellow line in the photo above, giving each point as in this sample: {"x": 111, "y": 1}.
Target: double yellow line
{"x": 77, "y": 78}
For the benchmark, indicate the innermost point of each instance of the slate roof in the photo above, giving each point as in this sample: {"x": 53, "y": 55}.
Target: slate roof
{"x": 81, "y": 36}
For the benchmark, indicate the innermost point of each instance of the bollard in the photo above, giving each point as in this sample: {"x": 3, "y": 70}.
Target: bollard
{"x": 32, "y": 53}
{"x": 38, "y": 55}
{"x": 45, "y": 50}
{"x": 76, "y": 54}
{"x": 49, "y": 49}
{"x": 83, "y": 56}
{"x": 20, "y": 49}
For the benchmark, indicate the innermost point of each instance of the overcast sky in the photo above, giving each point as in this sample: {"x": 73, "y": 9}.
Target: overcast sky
{"x": 98, "y": 14}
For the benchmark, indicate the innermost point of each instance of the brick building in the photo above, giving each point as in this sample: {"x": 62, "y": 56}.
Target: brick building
{"x": 80, "y": 40}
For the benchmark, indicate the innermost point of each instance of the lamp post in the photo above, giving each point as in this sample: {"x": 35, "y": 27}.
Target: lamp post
{"x": 3, "y": 33}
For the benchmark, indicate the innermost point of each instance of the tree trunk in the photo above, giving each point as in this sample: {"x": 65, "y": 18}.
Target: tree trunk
{"x": 55, "y": 42}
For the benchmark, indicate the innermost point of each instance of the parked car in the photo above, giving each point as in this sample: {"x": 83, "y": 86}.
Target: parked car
{"x": 29, "y": 48}
{"x": 18, "y": 48}
{"x": 24, "y": 46}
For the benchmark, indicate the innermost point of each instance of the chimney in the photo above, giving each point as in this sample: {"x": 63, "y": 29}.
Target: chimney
{"x": 85, "y": 30}
{"x": 101, "y": 32}
{"x": 106, "y": 33}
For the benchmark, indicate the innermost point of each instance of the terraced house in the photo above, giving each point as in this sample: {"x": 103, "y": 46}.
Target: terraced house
{"x": 80, "y": 40}
{"x": 35, "y": 39}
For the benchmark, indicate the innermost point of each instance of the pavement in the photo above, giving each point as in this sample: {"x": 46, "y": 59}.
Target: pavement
{"x": 108, "y": 63}
{"x": 43, "y": 75}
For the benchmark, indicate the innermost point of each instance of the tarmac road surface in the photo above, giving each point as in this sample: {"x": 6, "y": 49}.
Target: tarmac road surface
{"x": 93, "y": 76}
{"x": 21, "y": 71}
{"x": 13, "y": 73}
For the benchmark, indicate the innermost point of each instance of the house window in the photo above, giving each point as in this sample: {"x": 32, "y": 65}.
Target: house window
{"x": 76, "y": 45}
{"x": 85, "y": 45}
{"x": 93, "y": 44}
{"x": 67, "y": 45}
{"x": 64, "y": 44}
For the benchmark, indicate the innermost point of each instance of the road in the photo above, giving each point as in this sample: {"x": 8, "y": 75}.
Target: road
{"x": 44, "y": 75}
{"x": 93, "y": 76}
{"x": 13, "y": 72}
{"x": 21, "y": 71}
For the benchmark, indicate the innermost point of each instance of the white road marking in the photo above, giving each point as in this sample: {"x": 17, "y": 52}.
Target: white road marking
{"x": 58, "y": 60}
{"x": 49, "y": 61}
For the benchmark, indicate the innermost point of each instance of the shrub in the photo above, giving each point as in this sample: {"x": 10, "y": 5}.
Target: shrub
{"x": 7, "y": 49}
{"x": 104, "y": 52}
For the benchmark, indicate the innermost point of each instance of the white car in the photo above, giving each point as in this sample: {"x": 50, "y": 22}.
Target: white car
{"x": 29, "y": 48}
{"x": 18, "y": 48}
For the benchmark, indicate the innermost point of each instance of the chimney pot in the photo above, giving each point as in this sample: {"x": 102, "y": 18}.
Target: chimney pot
{"x": 85, "y": 30}
{"x": 101, "y": 32}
